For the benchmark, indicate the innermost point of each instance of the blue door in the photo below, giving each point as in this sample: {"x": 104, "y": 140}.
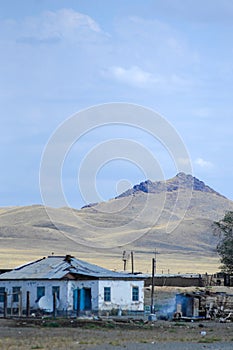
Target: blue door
{"x": 76, "y": 299}
{"x": 82, "y": 299}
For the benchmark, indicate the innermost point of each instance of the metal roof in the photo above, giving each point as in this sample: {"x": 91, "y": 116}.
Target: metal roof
{"x": 57, "y": 267}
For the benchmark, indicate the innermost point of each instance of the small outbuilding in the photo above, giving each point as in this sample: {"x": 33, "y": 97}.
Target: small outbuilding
{"x": 70, "y": 285}
{"x": 188, "y": 305}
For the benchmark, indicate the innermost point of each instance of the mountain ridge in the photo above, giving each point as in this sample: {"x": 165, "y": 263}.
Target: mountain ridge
{"x": 178, "y": 182}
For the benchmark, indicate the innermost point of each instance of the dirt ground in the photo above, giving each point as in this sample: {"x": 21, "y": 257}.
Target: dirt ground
{"x": 70, "y": 335}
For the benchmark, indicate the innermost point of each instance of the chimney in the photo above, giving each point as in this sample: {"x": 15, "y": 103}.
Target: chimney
{"x": 68, "y": 258}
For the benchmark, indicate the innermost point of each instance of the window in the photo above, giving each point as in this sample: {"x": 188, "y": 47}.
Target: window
{"x": 15, "y": 292}
{"x": 107, "y": 294}
{"x": 56, "y": 289}
{"x": 2, "y": 291}
{"x": 40, "y": 293}
{"x": 135, "y": 293}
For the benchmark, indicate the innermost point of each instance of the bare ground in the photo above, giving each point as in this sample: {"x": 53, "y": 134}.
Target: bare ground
{"x": 72, "y": 334}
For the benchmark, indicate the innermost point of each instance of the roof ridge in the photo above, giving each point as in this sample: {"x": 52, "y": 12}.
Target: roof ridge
{"x": 28, "y": 264}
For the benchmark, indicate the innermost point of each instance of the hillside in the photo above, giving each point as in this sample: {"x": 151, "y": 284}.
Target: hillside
{"x": 173, "y": 216}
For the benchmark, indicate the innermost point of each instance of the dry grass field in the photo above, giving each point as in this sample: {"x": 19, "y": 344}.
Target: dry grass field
{"x": 178, "y": 224}
{"x": 26, "y": 233}
{"x": 52, "y": 335}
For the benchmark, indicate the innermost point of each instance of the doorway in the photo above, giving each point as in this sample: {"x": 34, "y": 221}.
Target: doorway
{"x": 82, "y": 299}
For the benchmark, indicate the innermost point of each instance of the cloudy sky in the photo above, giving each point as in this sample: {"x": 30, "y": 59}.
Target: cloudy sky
{"x": 59, "y": 57}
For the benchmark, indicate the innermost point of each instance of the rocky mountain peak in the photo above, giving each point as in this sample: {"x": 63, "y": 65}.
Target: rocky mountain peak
{"x": 181, "y": 181}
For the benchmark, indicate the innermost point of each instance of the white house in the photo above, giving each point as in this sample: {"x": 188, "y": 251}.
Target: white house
{"x": 78, "y": 286}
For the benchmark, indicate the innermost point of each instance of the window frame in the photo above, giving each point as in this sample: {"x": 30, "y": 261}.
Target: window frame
{"x": 56, "y": 289}
{"x": 135, "y": 293}
{"x": 15, "y": 294}
{"x": 107, "y": 294}
{"x": 39, "y": 294}
{"x": 2, "y": 293}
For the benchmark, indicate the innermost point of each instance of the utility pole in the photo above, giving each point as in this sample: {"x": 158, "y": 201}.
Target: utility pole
{"x": 132, "y": 262}
{"x": 124, "y": 258}
{"x": 154, "y": 262}
{"x": 152, "y": 286}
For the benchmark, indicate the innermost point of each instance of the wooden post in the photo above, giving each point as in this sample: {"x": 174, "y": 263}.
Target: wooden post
{"x": 155, "y": 262}
{"x": 20, "y": 303}
{"x": 152, "y": 286}
{"x": 78, "y": 303}
{"x": 54, "y": 305}
{"x": 124, "y": 258}
{"x": 132, "y": 262}
{"x": 5, "y": 304}
{"x": 28, "y": 304}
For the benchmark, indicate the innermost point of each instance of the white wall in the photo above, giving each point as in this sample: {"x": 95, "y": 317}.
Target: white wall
{"x": 72, "y": 285}
{"x": 121, "y": 295}
{"x": 31, "y": 286}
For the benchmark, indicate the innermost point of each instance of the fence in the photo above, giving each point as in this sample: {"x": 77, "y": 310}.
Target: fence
{"x": 11, "y": 305}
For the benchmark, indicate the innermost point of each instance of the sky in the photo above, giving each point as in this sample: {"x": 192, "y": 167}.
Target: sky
{"x": 60, "y": 57}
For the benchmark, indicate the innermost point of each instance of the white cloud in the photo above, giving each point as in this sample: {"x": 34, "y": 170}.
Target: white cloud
{"x": 62, "y": 24}
{"x": 203, "y": 163}
{"x": 137, "y": 77}
{"x": 133, "y": 76}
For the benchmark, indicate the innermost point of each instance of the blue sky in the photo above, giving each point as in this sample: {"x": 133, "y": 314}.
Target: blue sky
{"x": 59, "y": 57}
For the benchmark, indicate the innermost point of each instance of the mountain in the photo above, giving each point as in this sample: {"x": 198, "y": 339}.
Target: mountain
{"x": 180, "y": 182}
{"x": 173, "y": 216}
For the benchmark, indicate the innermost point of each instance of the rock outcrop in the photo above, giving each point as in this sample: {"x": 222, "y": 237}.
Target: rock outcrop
{"x": 179, "y": 182}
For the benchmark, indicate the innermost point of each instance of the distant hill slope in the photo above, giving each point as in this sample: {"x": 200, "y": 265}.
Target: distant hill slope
{"x": 136, "y": 220}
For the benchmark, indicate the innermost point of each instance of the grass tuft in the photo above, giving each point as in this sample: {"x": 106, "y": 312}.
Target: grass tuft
{"x": 51, "y": 324}
{"x": 209, "y": 340}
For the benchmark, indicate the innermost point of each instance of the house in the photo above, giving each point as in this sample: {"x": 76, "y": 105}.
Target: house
{"x": 71, "y": 285}
{"x": 188, "y": 305}
{"x": 204, "y": 304}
